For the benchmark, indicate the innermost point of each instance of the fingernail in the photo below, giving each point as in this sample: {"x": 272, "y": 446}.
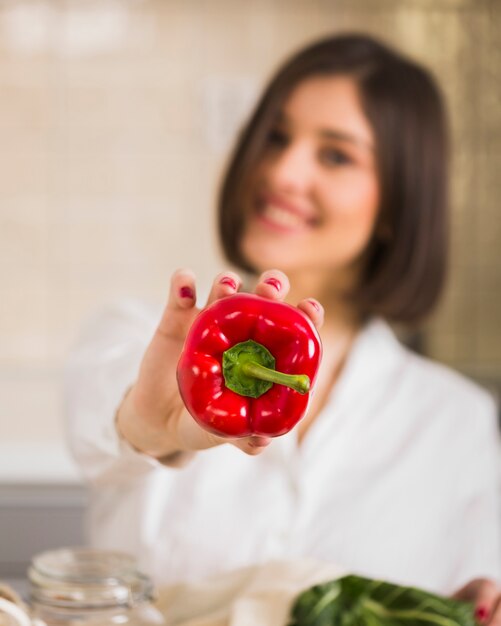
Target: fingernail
{"x": 481, "y": 613}
{"x": 186, "y": 292}
{"x": 226, "y": 280}
{"x": 274, "y": 283}
{"x": 314, "y": 304}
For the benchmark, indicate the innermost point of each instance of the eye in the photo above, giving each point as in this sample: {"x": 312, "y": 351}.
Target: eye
{"x": 277, "y": 138}
{"x": 334, "y": 156}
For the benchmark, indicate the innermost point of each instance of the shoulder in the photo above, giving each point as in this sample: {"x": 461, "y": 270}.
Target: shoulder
{"x": 446, "y": 422}
{"x": 448, "y": 386}
{"x": 425, "y": 382}
{"x": 118, "y": 321}
{"x": 446, "y": 392}
{"x": 126, "y": 311}
{"x": 461, "y": 419}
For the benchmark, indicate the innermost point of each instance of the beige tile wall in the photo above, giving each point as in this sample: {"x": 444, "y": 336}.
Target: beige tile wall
{"x": 114, "y": 121}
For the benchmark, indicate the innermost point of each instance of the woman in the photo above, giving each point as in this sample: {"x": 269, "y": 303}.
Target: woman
{"x": 339, "y": 182}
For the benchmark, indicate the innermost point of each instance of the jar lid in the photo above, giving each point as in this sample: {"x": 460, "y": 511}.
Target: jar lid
{"x": 87, "y": 578}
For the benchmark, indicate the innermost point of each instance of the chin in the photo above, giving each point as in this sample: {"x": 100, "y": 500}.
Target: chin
{"x": 263, "y": 258}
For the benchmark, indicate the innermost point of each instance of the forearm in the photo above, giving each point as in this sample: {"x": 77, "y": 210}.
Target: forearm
{"x": 162, "y": 444}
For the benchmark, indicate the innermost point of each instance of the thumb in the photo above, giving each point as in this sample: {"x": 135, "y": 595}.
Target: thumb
{"x": 180, "y": 309}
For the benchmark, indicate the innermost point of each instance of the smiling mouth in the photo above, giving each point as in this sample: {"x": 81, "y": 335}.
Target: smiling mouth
{"x": 283, "y": 218}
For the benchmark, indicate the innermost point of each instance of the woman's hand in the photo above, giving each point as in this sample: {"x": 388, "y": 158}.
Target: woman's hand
{"x": 485, "y": 594}
{"x": 152, "y": 417}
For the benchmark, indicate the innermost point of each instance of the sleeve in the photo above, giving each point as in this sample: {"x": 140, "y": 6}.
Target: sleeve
{"x": 480, "y": 519}
{"x": 100, "y": 368}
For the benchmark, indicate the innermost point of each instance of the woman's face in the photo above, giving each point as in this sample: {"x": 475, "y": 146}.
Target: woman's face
{"x": 315, "y": 194}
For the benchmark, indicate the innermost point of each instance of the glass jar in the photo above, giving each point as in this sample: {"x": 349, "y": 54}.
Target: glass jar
{"x": 84, "y": 587}
{"x": 12, "y": 611}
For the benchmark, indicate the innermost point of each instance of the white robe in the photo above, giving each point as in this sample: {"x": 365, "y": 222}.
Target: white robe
{"x": 397, "y": 478}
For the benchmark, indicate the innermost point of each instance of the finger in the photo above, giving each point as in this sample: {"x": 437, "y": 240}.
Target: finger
{"x": 483, "y": 593}
{"x": 485, "y": 599}
{"x": 181, "y": 300}
{"x": 273, "y": 284}
{"x": 314, "y": 310}
{"x": 182, "y": 293}
{"x": 494, "y": 618}
{"x": 225, "y": 284}
{"x": 253, "y": 445}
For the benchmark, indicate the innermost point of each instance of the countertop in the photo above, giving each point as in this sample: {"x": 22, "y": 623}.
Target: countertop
{"x": 42, "y": 504}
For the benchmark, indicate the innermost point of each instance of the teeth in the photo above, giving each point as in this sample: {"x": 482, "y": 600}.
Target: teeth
{"x": 283, "y": 217}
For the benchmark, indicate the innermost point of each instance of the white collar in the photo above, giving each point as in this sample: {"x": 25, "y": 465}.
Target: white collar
{"x": 375, "y": 351}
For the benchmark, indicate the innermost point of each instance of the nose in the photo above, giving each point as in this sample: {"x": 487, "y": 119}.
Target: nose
{"x": 291, "y": 170}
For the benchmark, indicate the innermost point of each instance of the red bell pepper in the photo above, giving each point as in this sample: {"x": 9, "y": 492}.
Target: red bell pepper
{"x": 248, "y": 366}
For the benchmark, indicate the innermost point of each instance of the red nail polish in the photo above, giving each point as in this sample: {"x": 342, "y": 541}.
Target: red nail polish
{"x": 226, "y": 280}
{"x": 274, "y": 283}
{"x": 186, "y": 292}
{"x": 314, "y": 304}
{"x": 481, "y": 613}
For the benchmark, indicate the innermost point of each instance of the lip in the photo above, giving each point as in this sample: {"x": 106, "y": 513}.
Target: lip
{"x": 302, "y": 218}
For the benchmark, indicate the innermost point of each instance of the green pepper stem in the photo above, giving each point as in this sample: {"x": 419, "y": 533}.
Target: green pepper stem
{"x": 298, "y": 382}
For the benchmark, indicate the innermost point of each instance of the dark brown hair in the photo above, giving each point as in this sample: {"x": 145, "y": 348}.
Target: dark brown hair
{"x": 405, "y": 263}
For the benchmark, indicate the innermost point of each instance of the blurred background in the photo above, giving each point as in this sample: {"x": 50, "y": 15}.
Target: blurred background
{"x": 116, "y": 117}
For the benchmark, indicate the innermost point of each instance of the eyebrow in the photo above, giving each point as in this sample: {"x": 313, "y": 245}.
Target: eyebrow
{"x": 340, "y": 135}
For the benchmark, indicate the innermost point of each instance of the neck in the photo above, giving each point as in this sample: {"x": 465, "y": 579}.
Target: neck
{"x": 337, "y": 333}
{"x": 340, "y": 316}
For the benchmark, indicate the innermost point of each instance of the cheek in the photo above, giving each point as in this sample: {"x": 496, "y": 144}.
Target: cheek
{"x": 354, "y": 210}
{"x": 358, "y": 194}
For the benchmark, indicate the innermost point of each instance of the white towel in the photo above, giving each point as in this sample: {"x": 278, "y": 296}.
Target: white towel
{"x": 253, "y": 596}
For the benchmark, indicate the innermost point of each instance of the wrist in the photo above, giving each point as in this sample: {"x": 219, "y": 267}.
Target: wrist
{"x": 157, "y": 442}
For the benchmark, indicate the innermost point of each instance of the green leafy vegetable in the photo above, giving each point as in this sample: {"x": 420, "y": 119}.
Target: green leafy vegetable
{"x": 357, "y": 601}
